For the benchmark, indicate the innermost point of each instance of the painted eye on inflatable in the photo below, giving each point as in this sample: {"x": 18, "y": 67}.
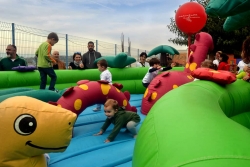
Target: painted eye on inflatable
{"x": 25, "y": 124}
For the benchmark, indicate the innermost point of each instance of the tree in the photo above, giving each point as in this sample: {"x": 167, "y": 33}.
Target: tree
{"x": 228, "y": 42}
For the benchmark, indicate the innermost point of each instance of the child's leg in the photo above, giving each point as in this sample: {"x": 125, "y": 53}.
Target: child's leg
{"x": 98, "y": 107}
{"x": 47, "y": 158}
{"x": 52, "y": 75}
{"x": 43, "y": 76}
{"x": 131, "y": 126}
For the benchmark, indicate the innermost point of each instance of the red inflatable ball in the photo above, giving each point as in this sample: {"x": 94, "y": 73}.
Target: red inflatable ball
{"x": 191, "y": 17}
{"x": 220, "y": 76}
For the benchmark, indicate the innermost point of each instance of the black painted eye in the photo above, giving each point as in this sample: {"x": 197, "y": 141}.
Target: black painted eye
{"x": 25, "y": 124}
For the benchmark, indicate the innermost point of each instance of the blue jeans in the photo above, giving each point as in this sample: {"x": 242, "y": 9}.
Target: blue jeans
{"x": 43, "y": 74}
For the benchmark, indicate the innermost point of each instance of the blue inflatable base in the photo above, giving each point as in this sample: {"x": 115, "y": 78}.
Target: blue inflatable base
{"x": 91, "y": 151}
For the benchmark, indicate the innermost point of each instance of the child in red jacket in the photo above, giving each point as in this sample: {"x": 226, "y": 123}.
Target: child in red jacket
{"x": 223, "y": 65}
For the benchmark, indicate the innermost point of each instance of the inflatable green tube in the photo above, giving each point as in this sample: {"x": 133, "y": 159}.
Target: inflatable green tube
{"x": 131, "y": 78}
{"x": 163, "y": 49}
{"x": 13, "y": 90}
{"x": 224, "y": 8}
{"x": 43, "y": 95}
{"x": 191, "y": 127}
{"x": 237, "y": 21}
{"x": 119, "y": 61}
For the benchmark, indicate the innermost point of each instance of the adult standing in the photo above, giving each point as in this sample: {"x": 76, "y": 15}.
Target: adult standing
{"x": 12, "y": 59}
{"x": 142, "y": 62}
{"x": 90, "y": 56}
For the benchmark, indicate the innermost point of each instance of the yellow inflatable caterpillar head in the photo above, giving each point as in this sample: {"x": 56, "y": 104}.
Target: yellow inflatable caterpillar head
{"x": 30, "y": 128}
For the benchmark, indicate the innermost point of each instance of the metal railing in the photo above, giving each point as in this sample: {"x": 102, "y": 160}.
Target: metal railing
{"x": 28, "y": 40}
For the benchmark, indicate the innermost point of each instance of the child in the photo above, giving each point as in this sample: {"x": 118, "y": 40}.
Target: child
{"x": 245, "y": 54}
{"x": 207, "y": 64}
{"x": 153, "y": 71}
{"x": 44, "y": 61}
{"x": 244, "y": 74}
{"x": 105, "y": 75}
{"x": 120, "y": 118}
{"x": 223, "y": 65}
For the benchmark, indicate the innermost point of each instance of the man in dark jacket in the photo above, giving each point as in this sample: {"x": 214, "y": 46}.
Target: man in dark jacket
{"x": 12, "y": 59}
{"x": 89, "y": 57}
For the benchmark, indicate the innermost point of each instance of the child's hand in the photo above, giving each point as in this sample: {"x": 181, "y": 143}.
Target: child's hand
{"x": 99, "y": 133}
{"x": 246, "y": 77}
{"x": 173, "y": 64}
{"x": 158, "y": 67}
{"x": 81, "y": 65}
{"x": 107, "y": 141}
{"x": 69, "y": 67}
{"x": 54, "y": 62}
{"x": 246, "y": 69}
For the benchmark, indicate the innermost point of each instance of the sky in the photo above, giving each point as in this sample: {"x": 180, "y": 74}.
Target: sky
{"x": 143, "y": 21}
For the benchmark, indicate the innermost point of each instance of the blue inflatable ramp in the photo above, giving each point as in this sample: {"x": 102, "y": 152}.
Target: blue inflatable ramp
{"x": 86, "y": 150}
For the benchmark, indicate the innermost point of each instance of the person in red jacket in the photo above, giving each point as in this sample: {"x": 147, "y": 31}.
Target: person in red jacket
{"x": 223, "y": 65}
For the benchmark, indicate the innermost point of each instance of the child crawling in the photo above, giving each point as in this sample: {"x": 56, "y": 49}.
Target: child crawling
{"x": 120, "y": 118}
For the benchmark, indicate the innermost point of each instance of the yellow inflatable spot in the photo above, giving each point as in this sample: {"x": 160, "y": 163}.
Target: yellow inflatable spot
{"x": 78, "y": 104}
{"x": 213, "y": 71}
{"x": 84, "y": 87}
{"x": 125, "y": 103}
{"x": 154, "y": 95}
{"x": 189, "y": 77}
{"x": 146, "y": 93}
{"x": 118, "y": 90}
{"x": 192, "y": 66}
{"x": 59, "y": 105}
{"x": 187, "y": 65}
{"x": 175, "y": 86}
{"x": 105, "y": 88}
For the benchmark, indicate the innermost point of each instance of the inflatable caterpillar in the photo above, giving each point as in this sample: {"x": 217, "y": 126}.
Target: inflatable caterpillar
{"x": 167, "y": 81}
{"x": 88, "y": 93}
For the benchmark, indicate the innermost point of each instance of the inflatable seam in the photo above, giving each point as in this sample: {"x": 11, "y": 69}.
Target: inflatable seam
{"x": 157, "y": 141}
{"x": 212, "y": 158}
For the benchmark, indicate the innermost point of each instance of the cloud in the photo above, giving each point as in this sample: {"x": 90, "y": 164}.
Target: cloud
{"x": 143, "y": 21}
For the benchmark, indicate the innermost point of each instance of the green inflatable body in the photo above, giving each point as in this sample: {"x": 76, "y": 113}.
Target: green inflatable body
{"x": 225, "y": 8}
{"x": 119, "y": 61}
{"x": 237, "y": 12}
{"x": 163, "y": 49}
{"x": 13, "y": 90}
{"x": 237, "y": 21}
{"x": 43, "y": 95}
{"x": 131, "y": 78}
{"x": 191, "y": 127}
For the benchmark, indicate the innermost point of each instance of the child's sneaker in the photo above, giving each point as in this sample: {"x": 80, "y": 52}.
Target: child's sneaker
{"x": 97, "y": 109}
{"x": 47, "y": 157}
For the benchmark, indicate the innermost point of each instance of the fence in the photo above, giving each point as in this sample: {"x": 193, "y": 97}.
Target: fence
{"x": 28, "y": 40}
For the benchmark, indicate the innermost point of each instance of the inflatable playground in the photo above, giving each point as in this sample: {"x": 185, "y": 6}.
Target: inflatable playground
{"x": 183, "y": 122}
